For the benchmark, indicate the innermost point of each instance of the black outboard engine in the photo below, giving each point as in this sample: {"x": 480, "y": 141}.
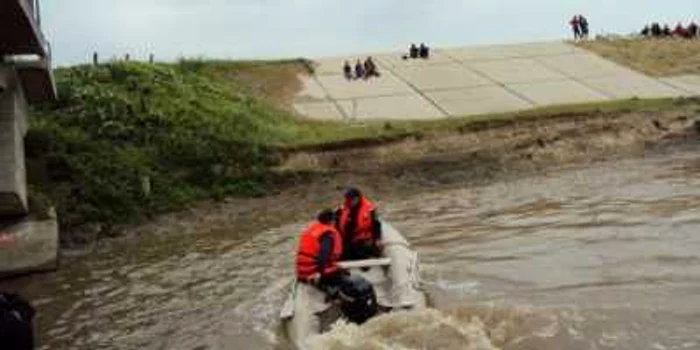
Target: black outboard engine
{"x": 358, "y": 299}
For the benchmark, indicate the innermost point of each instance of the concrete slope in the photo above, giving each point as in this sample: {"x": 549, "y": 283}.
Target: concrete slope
{"x": 476, "y": 80}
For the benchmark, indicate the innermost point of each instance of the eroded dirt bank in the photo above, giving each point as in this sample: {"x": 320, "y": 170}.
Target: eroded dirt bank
{"x": 476, "y": 155}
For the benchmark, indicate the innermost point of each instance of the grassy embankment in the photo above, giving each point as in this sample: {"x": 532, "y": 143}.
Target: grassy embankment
{"x": 655, "y": 57}
{"x": 129, "y": 140}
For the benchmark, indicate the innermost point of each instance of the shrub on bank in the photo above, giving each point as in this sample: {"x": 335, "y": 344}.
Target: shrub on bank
{"x": 126, "y": 140}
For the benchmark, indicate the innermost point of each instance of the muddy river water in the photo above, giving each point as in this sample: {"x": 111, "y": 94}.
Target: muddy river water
{"x": 601, "y": 257}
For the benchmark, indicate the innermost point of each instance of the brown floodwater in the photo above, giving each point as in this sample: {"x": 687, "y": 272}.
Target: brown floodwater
{"x": 601, "y": 257}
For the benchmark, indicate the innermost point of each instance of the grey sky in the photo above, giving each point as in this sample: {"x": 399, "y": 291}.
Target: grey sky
{"x": 292, "y": 28}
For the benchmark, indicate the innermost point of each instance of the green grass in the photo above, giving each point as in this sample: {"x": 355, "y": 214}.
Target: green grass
{"x": 661, "y": 57}
{"x": 129, "y": 140}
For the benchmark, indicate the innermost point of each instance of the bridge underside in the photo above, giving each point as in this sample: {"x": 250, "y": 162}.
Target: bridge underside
{"x": 19, "y": 33}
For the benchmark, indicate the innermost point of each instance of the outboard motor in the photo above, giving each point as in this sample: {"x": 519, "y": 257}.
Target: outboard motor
{"x": 358, "y": 299}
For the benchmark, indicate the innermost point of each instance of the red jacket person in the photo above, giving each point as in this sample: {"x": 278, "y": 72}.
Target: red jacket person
{"x": 320, "y": 249}
{"x": 360, "y": 227}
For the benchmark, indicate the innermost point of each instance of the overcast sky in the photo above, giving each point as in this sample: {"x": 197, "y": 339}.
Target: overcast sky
{"x": 310, "y": 28}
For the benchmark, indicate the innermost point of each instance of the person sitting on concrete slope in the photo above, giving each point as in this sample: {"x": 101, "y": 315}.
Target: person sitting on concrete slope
{"x": 413, "y": 51}
{"x": 16, "y": 323}
{"x": 424, "y": 51}
{"x": 359, "y": 225}
{"x": 359, "y": 70}
{"x": 370, "y": 68}
{"x": 347, "y": 70}
{"x": 320, "y": 249}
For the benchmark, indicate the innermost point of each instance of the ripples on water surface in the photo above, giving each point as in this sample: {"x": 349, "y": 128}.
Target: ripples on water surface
{"x": 604, "y": 257}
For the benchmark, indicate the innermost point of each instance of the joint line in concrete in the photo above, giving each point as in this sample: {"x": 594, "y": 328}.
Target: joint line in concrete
{"x": 417, "y": 91}
{"x": 502, "y": 85}
{"x": 330, "y": 98}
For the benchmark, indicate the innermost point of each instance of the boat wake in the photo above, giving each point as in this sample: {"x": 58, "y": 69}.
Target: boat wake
{"x": 423, "y": 329}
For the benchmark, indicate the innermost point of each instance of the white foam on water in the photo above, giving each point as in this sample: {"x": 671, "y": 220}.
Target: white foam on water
{"x": 424, "y": 329}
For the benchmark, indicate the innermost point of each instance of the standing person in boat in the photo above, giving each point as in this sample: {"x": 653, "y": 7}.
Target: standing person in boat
{"x": 359, "y": 226}
{"x": 320, "y": 249}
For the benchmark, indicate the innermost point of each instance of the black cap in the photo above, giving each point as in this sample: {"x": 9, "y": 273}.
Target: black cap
{"x": 326, "y": 216}
{"x": 352, "y": 192}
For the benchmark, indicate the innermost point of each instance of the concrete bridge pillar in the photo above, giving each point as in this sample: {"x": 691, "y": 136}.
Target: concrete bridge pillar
{"x": 13, "y": 127}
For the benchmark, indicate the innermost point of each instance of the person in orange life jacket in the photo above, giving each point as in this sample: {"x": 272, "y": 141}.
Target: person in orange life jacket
{"x": 320, "y": 249}
{"x": 359, "y": 225}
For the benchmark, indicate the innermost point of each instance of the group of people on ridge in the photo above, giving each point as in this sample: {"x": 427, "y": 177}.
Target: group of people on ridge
{"x": 579, "y": 25}
{"x": 352, "y": 232}
{"x": 364, "y": 70}
{"x": 655, "y": 30}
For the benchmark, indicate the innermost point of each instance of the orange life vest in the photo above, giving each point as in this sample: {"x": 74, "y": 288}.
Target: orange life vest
{"x": 363, "y": 228}
{"x": 310, "y": 248}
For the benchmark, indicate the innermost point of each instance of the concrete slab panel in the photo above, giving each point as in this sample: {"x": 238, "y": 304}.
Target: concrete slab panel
{"x": 557, "y": 92}
{"x": 554, "y": 48}
{"x": 332, "y": 65}
{"x": 689, "y": 83}
{"x": 500, "y": 52}
{"x": 325, "y": 110}
{"x": 30, "y": 246}
{"x": 443, "y": 76}
{"x": 395, "y": 60}
{"x": 400, "y": 107}
{"x": 478, "y": 100}
{"x": 340, "y": 88}
{"x": 585, "y": 66}
{"x": 310, "y": 90}
{"x": 519, "y": 70}
{"x": 484, "y": 53}
{"x": 630, "y": 87}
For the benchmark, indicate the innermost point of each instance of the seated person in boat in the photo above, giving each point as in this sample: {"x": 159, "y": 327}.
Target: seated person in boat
{"x": 359, "y": 226}
{"x": 320, "y": 249}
